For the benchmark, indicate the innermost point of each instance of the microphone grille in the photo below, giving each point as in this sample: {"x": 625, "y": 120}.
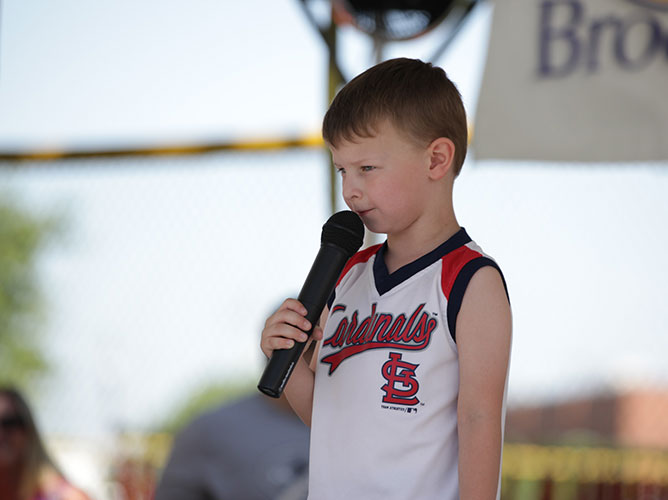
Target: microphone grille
{"x": 344, "y": 229}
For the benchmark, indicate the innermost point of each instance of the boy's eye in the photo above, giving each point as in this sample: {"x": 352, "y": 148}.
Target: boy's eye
{"x": 367, "y": 168}
{"x": 340, "y": 170}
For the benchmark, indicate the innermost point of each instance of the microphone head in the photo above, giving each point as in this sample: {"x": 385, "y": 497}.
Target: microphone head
{"x": 344, "y": 229}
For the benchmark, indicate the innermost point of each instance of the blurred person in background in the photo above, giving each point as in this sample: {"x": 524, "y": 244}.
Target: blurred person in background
{"x": 255, "y": 448}
{"x": 252, "y": 448}
{"x": 26, "y": 470}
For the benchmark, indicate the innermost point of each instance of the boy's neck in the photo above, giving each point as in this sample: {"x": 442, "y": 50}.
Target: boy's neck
{"x": 406, "y": 248}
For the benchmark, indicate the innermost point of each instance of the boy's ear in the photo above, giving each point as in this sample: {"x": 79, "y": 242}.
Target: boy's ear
{"x": 441, "y": 155}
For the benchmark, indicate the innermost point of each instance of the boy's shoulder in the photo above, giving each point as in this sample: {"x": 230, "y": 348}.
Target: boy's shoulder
{"x": 365, "y": 254}
{"x": 359, "y": 258}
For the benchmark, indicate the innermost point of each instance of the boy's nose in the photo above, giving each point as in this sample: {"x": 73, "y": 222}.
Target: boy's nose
{"x": 350, "y": 189}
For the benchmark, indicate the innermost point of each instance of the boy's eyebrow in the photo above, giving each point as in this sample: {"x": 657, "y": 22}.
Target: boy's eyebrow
{"x": 361, "y": 162}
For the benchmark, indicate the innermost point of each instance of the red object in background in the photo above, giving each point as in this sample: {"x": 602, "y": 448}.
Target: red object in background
{"x": 136, "y": 479}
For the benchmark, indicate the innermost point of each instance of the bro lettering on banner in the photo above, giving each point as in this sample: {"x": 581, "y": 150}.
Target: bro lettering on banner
{"x": 571, "y": 39}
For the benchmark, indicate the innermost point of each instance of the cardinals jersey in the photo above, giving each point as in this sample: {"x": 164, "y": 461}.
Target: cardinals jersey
{"x": 384, "y": 422}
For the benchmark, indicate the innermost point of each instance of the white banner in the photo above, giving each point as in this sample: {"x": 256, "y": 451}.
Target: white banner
{"x": 575, "y": 80}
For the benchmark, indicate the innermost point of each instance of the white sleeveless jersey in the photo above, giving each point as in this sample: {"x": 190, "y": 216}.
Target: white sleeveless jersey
{"x": 384, "y": 423}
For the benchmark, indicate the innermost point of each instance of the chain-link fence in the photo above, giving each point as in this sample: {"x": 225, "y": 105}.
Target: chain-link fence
{"x": 158, "y": 285}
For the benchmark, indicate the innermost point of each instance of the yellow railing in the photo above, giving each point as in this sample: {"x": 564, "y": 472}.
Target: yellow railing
{"x": 584, "y": 464}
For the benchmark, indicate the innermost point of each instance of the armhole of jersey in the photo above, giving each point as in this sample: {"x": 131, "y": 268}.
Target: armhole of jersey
{"x": 331, "y": 298}
{"x": 460, "y": 285}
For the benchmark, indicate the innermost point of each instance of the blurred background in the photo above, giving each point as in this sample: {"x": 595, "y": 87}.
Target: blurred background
{"x": 163, "y": 185}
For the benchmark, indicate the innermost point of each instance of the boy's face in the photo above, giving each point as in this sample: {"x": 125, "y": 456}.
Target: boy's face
{"x": 384, "y": 179}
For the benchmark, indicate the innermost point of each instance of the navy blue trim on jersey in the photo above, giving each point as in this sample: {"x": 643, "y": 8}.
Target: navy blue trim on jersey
{"x": 386, "y": 281}
{"x": 460, "y": 285}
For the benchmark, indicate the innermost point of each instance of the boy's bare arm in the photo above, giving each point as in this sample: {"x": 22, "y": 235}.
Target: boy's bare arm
{"x": 299, "y": 389}
{"x": 281, "y": 330}
{"x": 483, "y": 338}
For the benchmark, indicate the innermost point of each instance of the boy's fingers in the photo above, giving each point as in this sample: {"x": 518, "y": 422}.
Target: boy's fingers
{"x": 317, "y": 333}
{"x": 286, "y": 331}
{"x": 280, "y": 343}
{"x": 285, "y": 327}
{"x": 294, "y": 305}
{"x": 289, "y": 317}
{"x": 289, "y": 332}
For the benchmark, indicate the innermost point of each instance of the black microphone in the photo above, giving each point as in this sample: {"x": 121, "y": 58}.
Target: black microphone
{"x": 342, "y": 236}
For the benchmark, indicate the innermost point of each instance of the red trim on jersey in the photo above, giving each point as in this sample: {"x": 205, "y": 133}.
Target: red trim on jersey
{"x": 358, "y": 258}
{"x": 452, "y": 263}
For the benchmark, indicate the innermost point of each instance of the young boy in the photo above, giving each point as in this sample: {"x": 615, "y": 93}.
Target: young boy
{"x": 405, "y": 393}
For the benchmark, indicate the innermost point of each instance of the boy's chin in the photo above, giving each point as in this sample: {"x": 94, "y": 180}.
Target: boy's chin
{"x": 374, "y": 228}
{"x": 373, "y": 224}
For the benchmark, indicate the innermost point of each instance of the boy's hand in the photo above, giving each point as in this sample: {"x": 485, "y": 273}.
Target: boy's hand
{"x": 287, "y": 326}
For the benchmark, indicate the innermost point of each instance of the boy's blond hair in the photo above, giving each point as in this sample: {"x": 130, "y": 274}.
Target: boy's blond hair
{"x": 417, "y": 98}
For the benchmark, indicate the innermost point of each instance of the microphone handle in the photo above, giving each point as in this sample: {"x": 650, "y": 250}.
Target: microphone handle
{"x": 317, "y": 289}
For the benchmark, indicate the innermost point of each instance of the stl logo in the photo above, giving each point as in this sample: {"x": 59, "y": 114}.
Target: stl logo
{"x": 402, "y": 386}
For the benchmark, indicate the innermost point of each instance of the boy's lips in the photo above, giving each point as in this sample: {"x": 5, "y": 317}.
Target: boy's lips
{"x": 362, "y": 213}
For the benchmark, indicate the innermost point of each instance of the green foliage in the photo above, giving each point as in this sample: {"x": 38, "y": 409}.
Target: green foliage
{"x": 206, "y": 398}
{"x": 23, "y": 236}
